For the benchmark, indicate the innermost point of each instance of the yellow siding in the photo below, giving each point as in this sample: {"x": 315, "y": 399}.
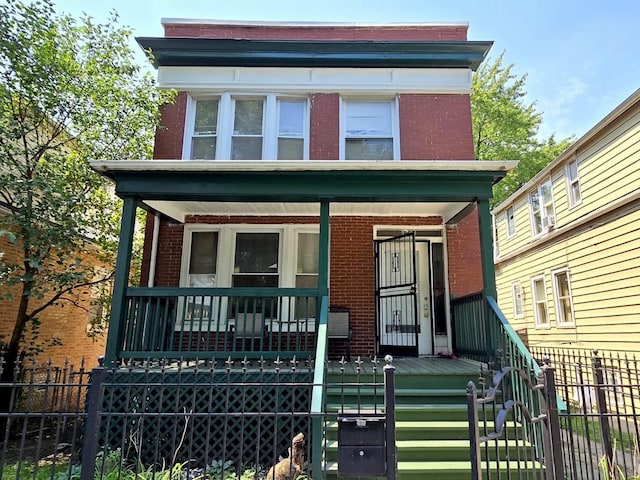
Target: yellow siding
{"x": 604, "y": 266}
{"x": 608, "y": 168}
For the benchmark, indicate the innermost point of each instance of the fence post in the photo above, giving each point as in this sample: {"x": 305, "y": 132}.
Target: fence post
{"x": 474, "y": 432}
{"x": 601, "y": 401}
{"x": 92, "y": 426}
{"x": 390, "y": 414}
{"x": 553, "y": 423}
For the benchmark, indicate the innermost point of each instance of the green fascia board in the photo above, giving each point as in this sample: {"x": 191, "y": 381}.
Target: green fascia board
{"x": 181, "y": 52}
{"x": 306, "y": 186}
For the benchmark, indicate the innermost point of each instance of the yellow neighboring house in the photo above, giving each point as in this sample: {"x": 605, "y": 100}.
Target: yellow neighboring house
{"x": 567, "y": 244}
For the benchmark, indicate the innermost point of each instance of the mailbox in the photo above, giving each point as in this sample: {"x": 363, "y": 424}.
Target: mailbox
{"x": 361, "y": 446}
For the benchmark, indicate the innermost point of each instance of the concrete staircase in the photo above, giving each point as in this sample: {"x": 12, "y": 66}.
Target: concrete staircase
{"x": 432, "y": 430}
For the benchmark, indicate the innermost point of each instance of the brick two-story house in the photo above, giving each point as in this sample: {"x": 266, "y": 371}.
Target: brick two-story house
{"x": 306, "y": 167}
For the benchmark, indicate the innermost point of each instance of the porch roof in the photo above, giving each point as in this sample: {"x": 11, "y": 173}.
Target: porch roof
{"x": 179, "y": 187}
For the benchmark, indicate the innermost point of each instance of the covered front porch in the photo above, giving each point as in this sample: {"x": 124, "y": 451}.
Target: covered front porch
{"x": 176, "y": 321}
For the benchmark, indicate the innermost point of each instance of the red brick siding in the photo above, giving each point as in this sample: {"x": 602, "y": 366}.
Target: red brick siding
{"x": 264, "y": 32}
{"x": 68, "y": 323}
{"x": 465, "y": 265}
{"x": 435, "y": 127}
{"x": 170, "y": 134}
{"x": 325, "y": 127}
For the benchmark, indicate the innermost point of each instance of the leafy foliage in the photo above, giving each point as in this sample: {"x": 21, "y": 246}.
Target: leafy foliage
{"x": 505, "y": 127}
{"x": 70, "y": 91}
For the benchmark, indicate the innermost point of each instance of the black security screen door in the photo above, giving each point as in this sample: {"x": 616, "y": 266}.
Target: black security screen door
{"x": 396, "y": 298}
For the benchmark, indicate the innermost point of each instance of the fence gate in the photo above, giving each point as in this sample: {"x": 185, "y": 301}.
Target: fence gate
{"x": 520, "y": 427}
{"x": 396, "y": 296}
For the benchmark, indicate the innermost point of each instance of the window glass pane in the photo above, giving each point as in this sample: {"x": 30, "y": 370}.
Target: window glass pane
{"x": 206, "y": 117}
{"x": 204, "y": 252}
{"x": 256, "y": 253}
{"x": 308, "y": 252}
{"x": 368, "y": 119}
{"x": 246, "y": 148}
{"x": 255, "y": 281}
{"x": 291, "y": 121}
{"x": 369, "y": 149}
{"x": 290, "y": 149}
{"x": 203, "y": 259}
{"x": 203, "y": 148}
{"x": 573, "y": 170}
{"x": 248, "y": 117}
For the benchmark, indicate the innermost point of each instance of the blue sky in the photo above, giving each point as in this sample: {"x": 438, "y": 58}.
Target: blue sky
{"x": 581, "y": 57}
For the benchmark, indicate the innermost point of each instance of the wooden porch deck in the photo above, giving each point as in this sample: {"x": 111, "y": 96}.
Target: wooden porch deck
{"x": 411, "y": 366}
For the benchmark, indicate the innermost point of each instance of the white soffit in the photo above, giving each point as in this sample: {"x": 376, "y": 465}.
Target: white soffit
{"x": 180, "y": 210}
{"x": 370, "y": 80}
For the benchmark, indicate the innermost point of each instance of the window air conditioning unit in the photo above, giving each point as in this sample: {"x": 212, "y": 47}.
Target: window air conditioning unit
{"x": 549, "y": 221}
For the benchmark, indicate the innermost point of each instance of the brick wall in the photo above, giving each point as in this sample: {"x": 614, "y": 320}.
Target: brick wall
{"x": 68, "y": 323}
{"x": 465, "y": 265}
{"x": 170, "y": 133}
{"x": 435, "y": 127}
{"x": 273, "y": 32}
{"x": 324, "y": 127}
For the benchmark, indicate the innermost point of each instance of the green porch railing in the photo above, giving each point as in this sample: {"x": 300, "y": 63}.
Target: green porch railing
{"x": 482, "y": 333}
{"x": 238, "y": 322}
{"x": 317, "y": 396}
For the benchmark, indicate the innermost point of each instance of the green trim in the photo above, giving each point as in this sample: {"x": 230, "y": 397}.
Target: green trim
{"x": 221, "y": 292}
{"x": 323, "y": 249}
{"x": 486, "y": 248}
{"x": 121, "y": 280}
{"x": 180, "y": 52}
{"x": 307, "y": 186}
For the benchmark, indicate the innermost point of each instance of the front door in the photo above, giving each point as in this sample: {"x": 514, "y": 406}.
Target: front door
{"x": 396, "y": 295}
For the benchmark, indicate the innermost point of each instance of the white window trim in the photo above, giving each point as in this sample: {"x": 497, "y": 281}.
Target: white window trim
{"x": 226, "y": 247}
{"x": 535, "y": 302}
{"x": 395, "y": 123}
{"x": 556, "y": 298}
{"x": 518, "y": 286}
{"x": 572, "y": 203}
{"x": 543, "y": 215}
{"x": 226, "y": 108}
{"x": 506, "y": 219}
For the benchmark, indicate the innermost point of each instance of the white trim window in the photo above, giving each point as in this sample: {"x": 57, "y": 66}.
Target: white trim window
{"x": 516, "y": 296}
{"x": 573, "y": 183}
{"x": 247, "y": 127}
{"x": 563, "y": 299}
{"x": 539, "y": 297}
{"x": 541, "y": 205}
{"x": 510, "y": 220}
{"x": 369, "y": 130}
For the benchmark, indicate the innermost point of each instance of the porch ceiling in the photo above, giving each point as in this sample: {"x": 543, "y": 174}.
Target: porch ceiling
{"x": 423, "y": 188}
{"x": 179, "y": 210}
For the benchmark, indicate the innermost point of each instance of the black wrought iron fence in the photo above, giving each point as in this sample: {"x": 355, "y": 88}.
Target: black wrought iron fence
{"x": 600, "y": 426}
{"x": 205, "y": 419}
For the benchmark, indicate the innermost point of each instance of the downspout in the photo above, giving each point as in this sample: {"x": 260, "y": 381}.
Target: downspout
{"x": 154, "y": 250}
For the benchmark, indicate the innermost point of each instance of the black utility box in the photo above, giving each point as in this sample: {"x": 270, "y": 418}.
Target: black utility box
{"x": 361, "y": 446}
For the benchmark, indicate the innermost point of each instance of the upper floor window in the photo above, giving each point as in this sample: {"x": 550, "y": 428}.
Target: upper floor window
{"x": 539, "y": 294}
{"x": 563, "y": 300}
{"x": 369, "y": 130}
{"x": 509, "y": 217}
{"x": 542, "y": 213}
{"x": 241, "y": 127}
{"x": 573, "y": 183}
{"x": 205, "y": 129}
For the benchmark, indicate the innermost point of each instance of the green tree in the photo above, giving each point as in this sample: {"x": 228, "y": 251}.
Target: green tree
{"x": 505, "y": 127}
{"x": 70, "y": 90}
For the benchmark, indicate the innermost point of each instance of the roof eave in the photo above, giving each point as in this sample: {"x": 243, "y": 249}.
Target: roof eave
{"x": 292, "y": 53}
